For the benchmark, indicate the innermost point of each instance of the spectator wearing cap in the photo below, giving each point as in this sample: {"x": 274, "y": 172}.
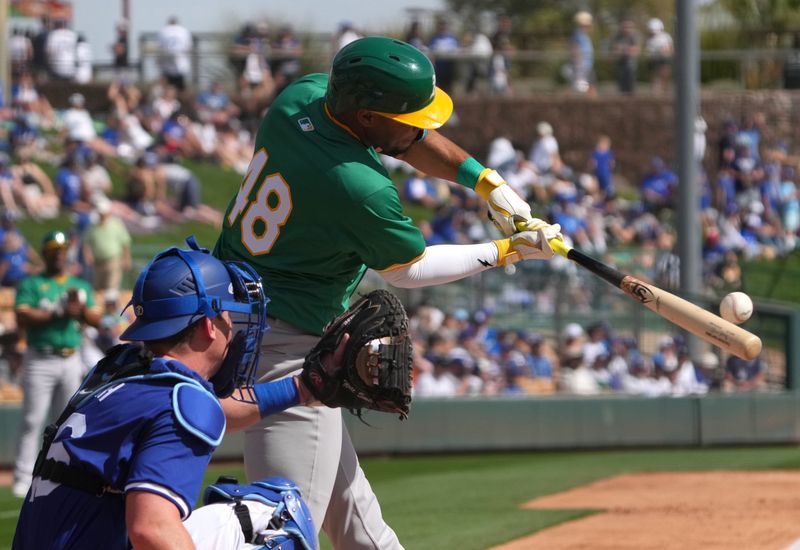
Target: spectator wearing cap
{"x": 582, "y": 54}
{"x": 665, "y": 360}
{"x": 744, "y": 375}
{"x": 659, "y": 50}
{"x": 70, "y": 187}
{"x": 50, "y": 307}
{"x": 107, "y": 248}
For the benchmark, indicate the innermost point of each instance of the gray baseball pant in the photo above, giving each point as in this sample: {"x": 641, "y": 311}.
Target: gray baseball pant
{"x": 47, "y": 380}
{"x": 311, "y": 446}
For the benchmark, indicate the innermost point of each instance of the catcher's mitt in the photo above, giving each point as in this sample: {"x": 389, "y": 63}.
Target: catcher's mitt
{"x": 375, "y": 372}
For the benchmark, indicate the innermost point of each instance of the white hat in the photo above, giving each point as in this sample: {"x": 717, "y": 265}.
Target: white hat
{"x": 709, "y": 360}
{"x": 544, "y": 129}
{"x": 77, "y": 99}
{"x": 583, "y": 18}
{"x": 102, "y": 204}
{"x": 573, "y": 330}
{"x": 655, "y": 25}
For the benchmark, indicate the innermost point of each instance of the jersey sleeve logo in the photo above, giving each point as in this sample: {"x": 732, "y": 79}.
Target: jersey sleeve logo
{"x": 305, "y": 124}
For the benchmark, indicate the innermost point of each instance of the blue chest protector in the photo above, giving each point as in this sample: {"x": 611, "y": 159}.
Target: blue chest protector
{"x": 291, "y": 512}
{"x": 196, "y": 409}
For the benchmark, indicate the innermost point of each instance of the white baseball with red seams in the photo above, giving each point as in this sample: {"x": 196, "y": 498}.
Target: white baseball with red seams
{"x": 736, "y": 307}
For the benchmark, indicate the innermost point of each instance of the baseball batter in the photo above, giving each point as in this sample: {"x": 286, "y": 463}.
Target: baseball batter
{"x": 315, "y": 211}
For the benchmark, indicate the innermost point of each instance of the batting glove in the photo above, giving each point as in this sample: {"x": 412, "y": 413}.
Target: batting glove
{"x": 503, "y": 202}
{"x": 532, "y": 244}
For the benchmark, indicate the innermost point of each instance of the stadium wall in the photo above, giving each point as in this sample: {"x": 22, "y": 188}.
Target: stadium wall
{"x": 543, "y": 423}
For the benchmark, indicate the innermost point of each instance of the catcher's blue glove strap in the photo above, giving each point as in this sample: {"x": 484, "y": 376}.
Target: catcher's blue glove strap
{"x": 277, "y": 396}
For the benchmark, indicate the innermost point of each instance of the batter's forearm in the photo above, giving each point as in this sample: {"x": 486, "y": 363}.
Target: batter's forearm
{"x": 443, "y": 264}
{"x": 436, "y": 156}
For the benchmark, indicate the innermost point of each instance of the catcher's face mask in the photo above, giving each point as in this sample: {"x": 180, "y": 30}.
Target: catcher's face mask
{"x": 236, "y": 376}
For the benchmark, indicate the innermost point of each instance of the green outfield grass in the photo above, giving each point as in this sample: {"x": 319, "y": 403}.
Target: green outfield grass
{"x": 472, "y": 502}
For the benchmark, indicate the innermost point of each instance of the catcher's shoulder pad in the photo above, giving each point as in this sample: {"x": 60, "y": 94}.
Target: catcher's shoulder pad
{"x": 199, "y": 412}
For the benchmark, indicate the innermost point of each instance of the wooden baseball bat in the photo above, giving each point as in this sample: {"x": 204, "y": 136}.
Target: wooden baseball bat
{"x": 704, "y": 324}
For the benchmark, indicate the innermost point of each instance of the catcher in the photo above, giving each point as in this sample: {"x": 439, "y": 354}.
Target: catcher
{"x": 125, "y": 460}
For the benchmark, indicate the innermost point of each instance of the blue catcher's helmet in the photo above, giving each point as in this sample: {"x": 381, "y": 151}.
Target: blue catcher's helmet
{"x": 179, "y": 287}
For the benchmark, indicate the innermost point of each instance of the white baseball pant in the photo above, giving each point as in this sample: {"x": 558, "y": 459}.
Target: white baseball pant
{"x": 311, "y": 446}
{"x": 47, "y": 380}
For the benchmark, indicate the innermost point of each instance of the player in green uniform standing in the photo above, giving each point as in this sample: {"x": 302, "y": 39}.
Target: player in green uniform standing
{"x": 50, "y": 308}
{"x": 315, "y": 211}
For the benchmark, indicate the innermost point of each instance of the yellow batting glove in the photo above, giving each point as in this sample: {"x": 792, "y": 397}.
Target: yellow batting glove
{"x": 531, "y": 244}
{"x": 503, "y": 202}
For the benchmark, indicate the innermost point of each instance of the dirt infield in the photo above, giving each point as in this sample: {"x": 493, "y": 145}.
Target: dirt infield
{"x": 709, "y": 510}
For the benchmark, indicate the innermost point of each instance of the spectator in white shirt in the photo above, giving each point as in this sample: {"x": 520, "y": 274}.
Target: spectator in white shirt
{"x": 175, "y": 43}
{"x": 83, "y": 61}
{"x": 60, "y": 48}
{"x": 79, "y": 127}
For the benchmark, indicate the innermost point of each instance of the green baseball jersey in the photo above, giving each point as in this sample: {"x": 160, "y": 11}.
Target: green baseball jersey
{"x": 315, "y": 210}
{"x": 42, "y": 291}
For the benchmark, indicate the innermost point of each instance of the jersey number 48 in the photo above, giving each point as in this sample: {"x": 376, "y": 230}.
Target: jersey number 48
{"x": 267, "y": 213}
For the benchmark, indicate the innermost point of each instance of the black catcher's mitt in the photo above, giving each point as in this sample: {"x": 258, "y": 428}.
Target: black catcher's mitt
{"x": 375, "y": 372}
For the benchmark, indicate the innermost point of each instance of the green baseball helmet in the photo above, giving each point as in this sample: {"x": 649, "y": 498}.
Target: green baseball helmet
{"x": 389, "y": 77}
{"x": 54, "y": 239}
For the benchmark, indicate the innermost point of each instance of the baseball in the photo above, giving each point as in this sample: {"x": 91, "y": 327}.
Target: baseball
{"x": 736, "y": 307}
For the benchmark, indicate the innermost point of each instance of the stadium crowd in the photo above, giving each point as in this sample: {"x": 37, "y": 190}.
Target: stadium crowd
{"x": 750, "y": 204}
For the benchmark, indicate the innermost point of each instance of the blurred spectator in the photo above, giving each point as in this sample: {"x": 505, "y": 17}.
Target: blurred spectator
{"x": 744, "y": 375}
{"x": 422, "y": 189}
{"x": 20, "y": 49}
{"x": 602, "y": 164}
{"x": 708, "y": 373}
{"x": 789, "y": 206}
{"x": 123, "y": 95}
{"x": 438, "y": 383}
{"x": 61, "y": 50}
{"x": 749, "y": 133}
{"x": 575, "y": 377}
{"x": 119, "y": 48}
{"x": 234, "y": 146}
{"x": 479, "y": 49}
{"x": 658, "y": 186}
{"x": 345, "y": 34}
{"x": 112, "y": 323}
{"x": 39, "y": 193}
{"x": 9, "y": 185}
{"x": 665, "y": 360}
{"x": 414, "y": 35}
{"x": 659, "y": 50}
{"x": 79, "y": 127}
{"x": 249, "y": 58}
{"x": 626, "y": 48}
{"x": 175, "y": 43}
{"x": 186, "y": 190}
{"x": 582, "y": 54}
{"x": 501, "y": 59}
{"x": 25, "y": 97}
{"x": 17, "y": 258}
{"x": 545, "y": 155}
{"x": 106, "y": 248}
{"x": 443, "y": 47}
{"x": 500, "y": 67}
{"x": 70, "y": 187}
{"x": 39, "y": 42}
{"x": 727, "y": 144}
{"x": 214, "y": 106}
{"x": 287, "y": 50}
{"x": 83, "y": 61}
